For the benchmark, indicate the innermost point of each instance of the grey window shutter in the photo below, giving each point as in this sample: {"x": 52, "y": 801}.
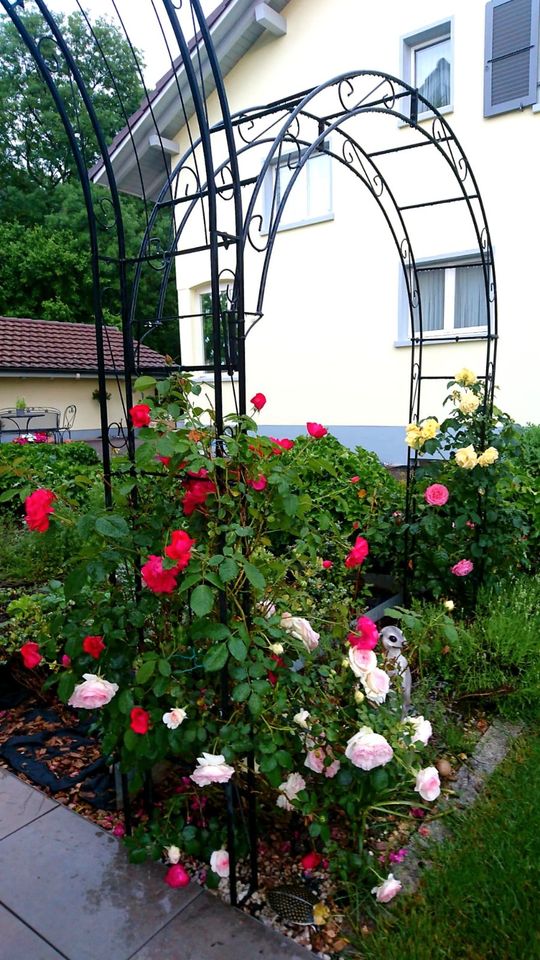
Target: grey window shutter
{"x": 511, "y": 67}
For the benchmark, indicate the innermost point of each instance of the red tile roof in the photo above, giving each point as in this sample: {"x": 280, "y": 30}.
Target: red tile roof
{"x": 49, "y": 346}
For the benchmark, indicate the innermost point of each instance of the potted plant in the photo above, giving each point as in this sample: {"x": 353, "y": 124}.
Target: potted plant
{"x": 20, "y": 403}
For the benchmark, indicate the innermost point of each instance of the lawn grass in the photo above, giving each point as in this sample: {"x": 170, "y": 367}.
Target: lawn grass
{"x": 480, "y": 899}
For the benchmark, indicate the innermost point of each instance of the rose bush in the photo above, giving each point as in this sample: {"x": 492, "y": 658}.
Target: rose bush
{"x": 201, "y": 627}
{"x": 468, "y": 526}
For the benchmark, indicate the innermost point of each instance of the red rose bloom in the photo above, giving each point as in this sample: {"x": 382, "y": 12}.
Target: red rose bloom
{"x": 140, "y": 415}
{"x": 180, "y": 548}
{"x": 198, "y": 489}
{"x": 358, "y": 553}
{"x": 366, "y": 635}
{"x": 282, "y": 445}
{"x": 94, "y": 646}
{"x": 156, "y": 578}
{"x": 139, "y": 720}
{"x": 311, "y": 861}
{"x": 258, "y": 401}
{"x": 176, "y": 876}
{"x": 30, "y": 654}
{"x": 259, "y": 484}
{"x": 327, "y": 564}
{"x": 38, "y": 509}
{"x": 164, "y": 460}
{"x": 273, "y": 677}
{"x": 316, "y": 430}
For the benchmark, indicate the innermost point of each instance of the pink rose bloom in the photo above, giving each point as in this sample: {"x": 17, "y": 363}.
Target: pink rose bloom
{"x": 332, "y": 769}
{"x": 93, "y": 693}
{"x": 65, "y": 661}
{"x": 219, "y": 863}
{"x": 176, "y": 876}
{"x": 212, "y": 769}
{"x": 376, "y": 683}
{"x": 436, "y": 495}
{"x": 366, "y": 635}
{"x": 362, "y": 661}
{"x": 259, "y": 484}
{"x": 387, "y": 890}
{"x": 355, "y": 479}
{"x": 428, "y": 783}
{"x": 315, "y": 760}
{"x": 301, "y": 629}
{"x": 368, "y": 750}
{"x": 119, "y": 830}
{"x": 327, "y": 564}
{"x": 289, "y": 790}
{"x": 358, "y": 554}
{"x": 462, "y": 568}
{"x": 316, "y": 430}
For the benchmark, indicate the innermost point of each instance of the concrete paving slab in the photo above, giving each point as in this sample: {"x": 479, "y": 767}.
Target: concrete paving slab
{"x": 72, "y": 883}
{"x": 18, "y": 942}
{"x": 19, "y": 803}
{"x": 209, "y": 930}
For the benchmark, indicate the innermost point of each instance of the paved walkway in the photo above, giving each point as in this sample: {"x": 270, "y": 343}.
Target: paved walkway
{"x": 67, "y": 891}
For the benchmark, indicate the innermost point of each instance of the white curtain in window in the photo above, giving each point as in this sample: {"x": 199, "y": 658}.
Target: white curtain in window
{"x": 432, "y": 73}
{"x": 470, "y": 301}
{"x": 432, "y": 296}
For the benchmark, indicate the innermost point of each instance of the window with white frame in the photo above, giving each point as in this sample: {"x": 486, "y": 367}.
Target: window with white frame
{"x": 427, "y": 64}
{"x": 207, "y": 335}
{"x": 310, "y": 198}
{"x": 453, "y": 297}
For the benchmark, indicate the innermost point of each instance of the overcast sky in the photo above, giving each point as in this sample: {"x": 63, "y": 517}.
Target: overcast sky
{"x": 141, "y": 24}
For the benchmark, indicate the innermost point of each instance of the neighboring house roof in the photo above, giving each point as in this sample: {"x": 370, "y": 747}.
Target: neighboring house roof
{"x": 49, "y": 346}
{"x": 141, "y": 152}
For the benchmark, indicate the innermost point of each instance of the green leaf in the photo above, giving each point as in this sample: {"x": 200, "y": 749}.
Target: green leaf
{"x": 216, "y": 657}
{"x": 237, "y": 648}
{"x": 145, "y": 671}
{"x": 202, "y": 600}
{"x": 131, "y": 740}
{"x": 254, "y": 575}
{"x": 144, "y": 383}
{"x": 124, "y": 701}
{"x": 75, "y": 581}
{"x": 8, "y": 495}
{"x": 255, "y": 705}
{"x": 66, "y": 686}
{"x": 138, "y": 856}
{"x": 228, "y": 570}
{"x": 164, "y": 668}
{"x": 241, "y": 692}
{"x": 114, "y": 528}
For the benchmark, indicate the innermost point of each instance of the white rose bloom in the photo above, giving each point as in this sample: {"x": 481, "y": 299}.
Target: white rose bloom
{"x": 173, "y": 854}
{"x": 449, "y": 605}
{"x": 301, "y": 629}
{"x": 301, "y": 718}
{"x": 376, "y": 683}
{"x": 292, "y": 786}
{"x": 276, "y": 648}
{"x": 174, "y": 718}
{"x": 421, "y": 729}
{"x": 361, "y": 661}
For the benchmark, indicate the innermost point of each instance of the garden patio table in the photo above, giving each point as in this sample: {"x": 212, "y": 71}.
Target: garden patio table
{"x": 20, "y": 420}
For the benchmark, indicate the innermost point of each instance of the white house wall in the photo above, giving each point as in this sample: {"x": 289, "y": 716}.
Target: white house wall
{"x": 326, "y": 347}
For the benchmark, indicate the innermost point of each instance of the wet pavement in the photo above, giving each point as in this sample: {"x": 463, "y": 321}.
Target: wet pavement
{"x": 67, "y": 891}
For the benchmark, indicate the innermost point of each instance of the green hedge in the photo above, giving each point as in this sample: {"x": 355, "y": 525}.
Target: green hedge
{"x": 71, "y": 468}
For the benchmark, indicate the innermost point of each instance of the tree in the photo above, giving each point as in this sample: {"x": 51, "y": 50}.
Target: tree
{"x": 45, "y": 271}
{"x": 33, "y": 144}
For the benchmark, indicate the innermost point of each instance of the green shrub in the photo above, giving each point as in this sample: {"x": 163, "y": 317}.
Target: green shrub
{"x": 26, "y": 558}
{"x": 71, "y": 467}
{"x": 526, "y": 467}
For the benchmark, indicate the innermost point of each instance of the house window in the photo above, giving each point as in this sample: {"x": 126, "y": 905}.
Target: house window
{"x": 511, "y": 77}
{"x": 427, "y": 63}
{"x": 205, "y": 305}
{"x": 453, "y": 297}
{"x": 310, "y": 199}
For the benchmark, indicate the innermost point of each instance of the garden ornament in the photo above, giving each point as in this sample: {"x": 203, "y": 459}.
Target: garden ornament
{"x": 392, "y": 641}
{"x": 294, "y": 903}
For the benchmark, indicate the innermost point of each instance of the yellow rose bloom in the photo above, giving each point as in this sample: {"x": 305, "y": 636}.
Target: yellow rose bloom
{"x": 488, "y": 457}
{"x": 430, "y": 428}
{"x": 467, "y": 457}
{"x": 468, "y": 402}
{"x": 413, "y": 436}
{"x": 465, "y": 377}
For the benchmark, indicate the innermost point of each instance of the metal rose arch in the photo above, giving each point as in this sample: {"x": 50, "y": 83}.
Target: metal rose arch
{"x": 210, "y": 200}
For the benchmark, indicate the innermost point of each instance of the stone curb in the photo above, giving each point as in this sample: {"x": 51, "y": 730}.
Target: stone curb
{"x": 467, "y": 786}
